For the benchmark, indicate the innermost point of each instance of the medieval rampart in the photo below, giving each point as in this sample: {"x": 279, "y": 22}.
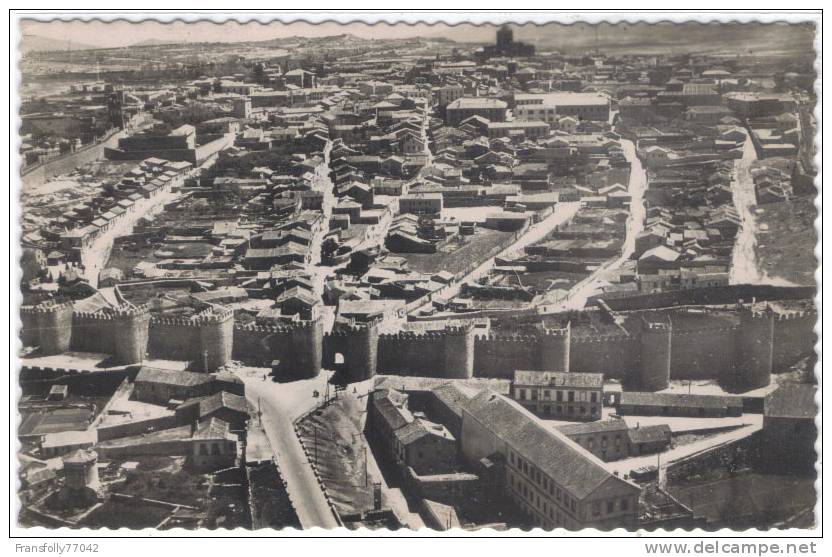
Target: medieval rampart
{"x": 731, "y": 294}
{"x": 701, "y": 345}
{"x": 297, "y": 347}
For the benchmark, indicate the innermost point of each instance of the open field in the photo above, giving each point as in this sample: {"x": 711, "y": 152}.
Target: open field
{"x": 456, "y": 257}
{"x": 543, "y": 281}
{"x": 748, "y": 499}
{"x": 786, "y": 239}
{"x": 333, "y": 437}
{"x": 55, "y": 420}
{"x": 119, "y": 514}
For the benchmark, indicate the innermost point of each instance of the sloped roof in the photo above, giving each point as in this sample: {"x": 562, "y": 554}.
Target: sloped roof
{"x": 454, "y": 398}
{"x": 389, "y": 404}
{"x": 557, "y": 456}
{"x": 213, "y": 428}
{"x": 661, "y": 252}
{"x": 172, "y": 377}
{"x": 417, "y": 429}
{"x": 679, "y": 400}
{"x": 605, "y": 426}
{"x": 222, "y": 399}
{"x": 649, "y": 434}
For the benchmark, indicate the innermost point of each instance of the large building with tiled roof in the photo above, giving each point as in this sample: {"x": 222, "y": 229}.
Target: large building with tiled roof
{"x": 553, "y": 479}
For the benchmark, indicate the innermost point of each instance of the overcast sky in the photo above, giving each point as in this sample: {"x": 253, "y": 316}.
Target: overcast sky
{"x": 121, "y": 33}
{"x": 124, "y": 33}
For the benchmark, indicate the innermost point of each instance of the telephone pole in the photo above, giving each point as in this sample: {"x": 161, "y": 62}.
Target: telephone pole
{"x": 316, "y": 443}
{"x": 366, "y": 471}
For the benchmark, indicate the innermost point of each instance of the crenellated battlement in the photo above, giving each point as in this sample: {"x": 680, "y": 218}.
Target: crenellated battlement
{"x": 459, "y": 329}
{"x": 516, "y": 339}
{"x": 304, "y": 324}
{"x": 730, "y": 330}
{"x": 127, "y": 311}
{"x": 268, "y": 329}
{"x": 407, "y": 335}
{"x": 600, "y": 339}
{"x": 347, "y": 331}
{"x": 275, "y": 329}
{"x": 761, "y": 315}
{"x": 214, "y": 315}
{"x": 99, "y": 315}
{"x": 47, "y": 307}
{"x": 156, "y": 321}
{"x": 198, "y": 321}
{"x": 795, "y": 315}
{"x": 656, "y": 326}
{"x": 565, "y": 331}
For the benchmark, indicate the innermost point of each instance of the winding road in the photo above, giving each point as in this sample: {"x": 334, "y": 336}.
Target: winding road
{"x": 744, "y": 268}
{"x": 281, "y": 404}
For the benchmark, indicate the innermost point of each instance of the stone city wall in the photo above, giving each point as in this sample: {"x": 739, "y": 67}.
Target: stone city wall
{"x": 741, "y": 356}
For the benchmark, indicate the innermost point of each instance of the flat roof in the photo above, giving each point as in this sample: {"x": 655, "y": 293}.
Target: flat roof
{"x": 564, "y": 98}
{"x": 477, "y": 102}
{"x": 559, "y": 379}
{"x": 421, "y": 196}
{"x": 682, "y": 400}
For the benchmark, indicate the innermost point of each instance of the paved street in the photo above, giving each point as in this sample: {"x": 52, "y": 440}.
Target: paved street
{"x": 744, "y": 268}
{"x": 281, "y": 404}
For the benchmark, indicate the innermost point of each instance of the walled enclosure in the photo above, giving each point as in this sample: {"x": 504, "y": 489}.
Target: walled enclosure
{"x": 297, "y": 347}
{"x": 130, "y": 334}
{"x": 742, "y": 357}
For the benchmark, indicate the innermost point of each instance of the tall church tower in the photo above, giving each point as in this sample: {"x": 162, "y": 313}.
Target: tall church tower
{"x": 505, "y": 37}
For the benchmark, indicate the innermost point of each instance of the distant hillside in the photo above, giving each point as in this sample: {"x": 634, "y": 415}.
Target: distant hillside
{"x": 34, "y": 43}
{"x": 155, "y": 42}
{"x": 679, "y": 37}
{"x": 344, "y": 38}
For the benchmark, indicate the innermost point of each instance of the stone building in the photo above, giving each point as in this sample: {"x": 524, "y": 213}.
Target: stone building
{"x": 680, "y": 405}
{"x": 459, "y": 110}
{"x": 409, "y": 438}
{"x": 552, "y": 478}
{"x": 560, "y": 394}
{"x": 213, "y": 446}
{"x": 613, "y": 439}
{"x": 427, "y": 447}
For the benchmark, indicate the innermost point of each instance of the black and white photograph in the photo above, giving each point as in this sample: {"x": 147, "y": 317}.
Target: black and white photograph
{"x": 474, "y": 275}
